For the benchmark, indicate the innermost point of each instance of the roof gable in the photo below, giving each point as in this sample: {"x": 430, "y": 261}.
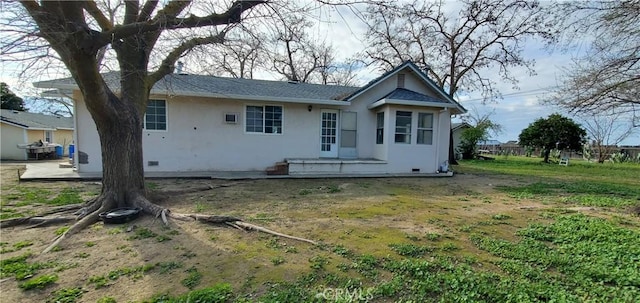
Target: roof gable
{"x": 421, "y": 75}
{"x": 455, "y": 126}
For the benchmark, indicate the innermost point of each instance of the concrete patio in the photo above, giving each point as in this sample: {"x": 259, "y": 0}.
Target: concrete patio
{"x": 51, "y": 171}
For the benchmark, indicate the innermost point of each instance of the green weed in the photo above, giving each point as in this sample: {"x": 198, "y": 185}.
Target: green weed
{"x": 304, "y": 192}
{"x": 167, "y": 267}
{"x": 38, "y": 282}
{"x": 106, "y": 300}
{"x": 277, "y": 260}
{"x": 22, "y": 244}
{"x": 67, "y": 295}
{"x": 193, "y": 278}
{"x": 410, "y": 250}
{"x": 98, "y": 281}
{"x": 143, "y": 233}
{"x": 61, "y": 230}
{"x": 219, "y": 293}
{"x": 19, "y": 267}
{"x": 433, "y": 236}
{"x": 82, "y": 255}
{"x": 67, "y": 196}
{"x": 501, "y": 217}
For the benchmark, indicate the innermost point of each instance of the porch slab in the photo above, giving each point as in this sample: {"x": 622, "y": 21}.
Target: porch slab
{"x": 50, "y": 171}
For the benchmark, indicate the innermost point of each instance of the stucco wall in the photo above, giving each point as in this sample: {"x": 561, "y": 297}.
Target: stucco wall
{"x": 406, "y": 157}
{"x": 401, "y": 158}
{"x": 11, "y": 137}
{"x": 198, "y": 139}
{"x": 33, "y": 135}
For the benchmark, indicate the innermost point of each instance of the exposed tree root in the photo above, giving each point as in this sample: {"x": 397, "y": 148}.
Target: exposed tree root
{"x": 196, "y": 189}
{"x": 248, "y": 226}
{"x": 104, "y": 203}
{"x": 237, "y": 223}
{"x": 87, "y": 214}
{"x": 41, "y": 218}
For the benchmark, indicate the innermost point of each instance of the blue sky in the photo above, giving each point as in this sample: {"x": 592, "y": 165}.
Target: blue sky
{"x": 345, "y": 31}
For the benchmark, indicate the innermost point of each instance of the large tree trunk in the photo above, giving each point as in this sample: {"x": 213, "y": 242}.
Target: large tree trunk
{"x": 122, "y": 163}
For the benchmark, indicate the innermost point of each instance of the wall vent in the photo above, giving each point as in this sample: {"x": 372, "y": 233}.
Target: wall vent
{"x": 153, "y": 163}
{"x": 415, "y": 170}
{"x": 401, "y": 80}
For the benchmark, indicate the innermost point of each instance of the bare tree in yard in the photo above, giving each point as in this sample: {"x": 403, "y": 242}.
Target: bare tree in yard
{"x": 460, "y": 51}
{"x": 57, "y": 106}
{"x": 335, "y": 73}
{"x": 294, "y": 54}
{"x": 77, "y": 31}
{"x": 606, "y": 131}
{"x": 240, "y": 56}
{"x": 607, "y": 75}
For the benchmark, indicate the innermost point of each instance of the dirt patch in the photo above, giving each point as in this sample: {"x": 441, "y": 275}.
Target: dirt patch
{"x": 363, "y": 215}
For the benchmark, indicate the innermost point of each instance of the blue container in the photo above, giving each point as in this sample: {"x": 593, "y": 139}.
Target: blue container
{"x": 71, "y": 150}
{"x": 58, "y": 151}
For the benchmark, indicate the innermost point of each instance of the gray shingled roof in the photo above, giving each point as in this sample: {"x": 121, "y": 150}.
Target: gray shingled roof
{"x": 201, "y": 85}
{"x": 251, "y": 87}
{"x": 409, "y": 95}
{"x": 267, "y": 90}
{"x": 33, "y": 120}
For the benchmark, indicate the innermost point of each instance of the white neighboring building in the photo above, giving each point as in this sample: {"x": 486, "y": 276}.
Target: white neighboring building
{"x": 397, "y": 123}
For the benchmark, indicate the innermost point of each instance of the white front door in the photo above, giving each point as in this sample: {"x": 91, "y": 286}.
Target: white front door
{"x": 328, "y": 133}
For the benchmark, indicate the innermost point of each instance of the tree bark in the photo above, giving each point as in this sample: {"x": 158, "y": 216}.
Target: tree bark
{"x": 122, "y": 162}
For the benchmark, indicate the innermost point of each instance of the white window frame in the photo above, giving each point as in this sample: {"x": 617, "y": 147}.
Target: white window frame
{"x": 379, "y": 128}
{"x": 50, "y": 132}
{"x": 246, "y": 117}
{"x": 408, "y": 129}
{"x": 166, "y": 117}
{"x": 424, "y": 128}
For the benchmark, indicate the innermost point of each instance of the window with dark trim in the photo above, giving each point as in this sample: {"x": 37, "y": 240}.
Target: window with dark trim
{"x": 380, "y": 128}
{"x": 403, "y": 127}
{"x": 263, "y": 119}
{"x": 155, "y": 117}
{"x": 425, "y": 128}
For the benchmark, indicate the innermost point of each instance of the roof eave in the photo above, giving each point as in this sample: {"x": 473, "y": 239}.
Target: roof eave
{"x": 384, "y": 101}
{"x": 252, "y": 98}
{"x": 15, "y": 124}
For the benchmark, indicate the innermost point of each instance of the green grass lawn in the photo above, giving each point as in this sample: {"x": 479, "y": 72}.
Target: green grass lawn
{"x": 577, "y": 170}
{"x": 525, "y": 231}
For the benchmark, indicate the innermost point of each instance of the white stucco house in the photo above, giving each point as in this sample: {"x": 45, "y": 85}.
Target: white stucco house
{"x": 398, "y": 123}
